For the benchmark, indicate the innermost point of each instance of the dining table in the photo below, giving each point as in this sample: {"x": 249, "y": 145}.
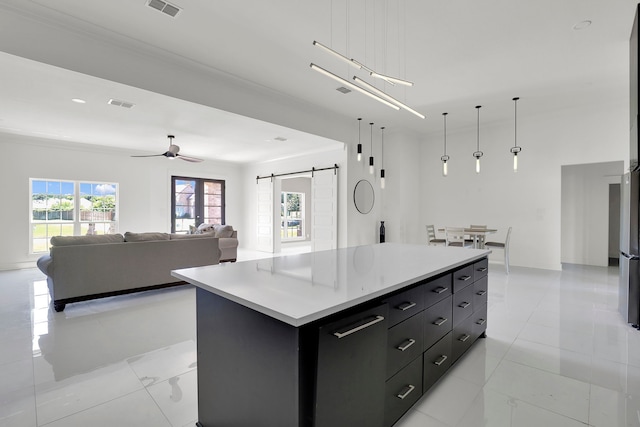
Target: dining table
{"x": 475, "y": 234}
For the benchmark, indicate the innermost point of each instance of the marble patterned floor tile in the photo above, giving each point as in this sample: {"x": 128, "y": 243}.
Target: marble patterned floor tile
{"x": 177, "y": 398}
{"x": 543, "y": 389}
{"x": 611, "y": 408}
{"x": 448, "y": 400}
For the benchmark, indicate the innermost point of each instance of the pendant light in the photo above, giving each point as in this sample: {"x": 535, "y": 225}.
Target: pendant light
{"x": 478, "y": 153}
{"x": 382, "y": 160}
{"x": 359, "y": 143}
{"x": 445, "y": 158}
{"x": 371, "y": 168}
{"x": 515, "y": 149}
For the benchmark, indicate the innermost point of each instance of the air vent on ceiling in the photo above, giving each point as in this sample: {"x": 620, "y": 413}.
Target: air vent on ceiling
{"x": 343, "y": 90}
{"x": 280, "y": 138}
{"x": 123, "y": 104}
{"x": 164, "y": 7}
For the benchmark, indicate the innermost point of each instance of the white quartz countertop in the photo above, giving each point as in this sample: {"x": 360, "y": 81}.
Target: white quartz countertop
{"x": 299, "y": 289}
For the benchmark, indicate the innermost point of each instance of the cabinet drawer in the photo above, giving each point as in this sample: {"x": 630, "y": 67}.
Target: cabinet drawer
{"x": 405, "y": 304}
{"x": 436, "y": 362}
{"x": 404, "y": 343}
{"x": 402, "y": 391}
{"x": 480, "y": 269}
{"x": 462, "y": 278}
{"x": 462, "y": 305}
{"x": 480, "y": 289}
{"x": 437, "y": 290}
{"x": 463, "y": 337}
{"x": 437, "y": 322}
{"x": 480, "y": 321}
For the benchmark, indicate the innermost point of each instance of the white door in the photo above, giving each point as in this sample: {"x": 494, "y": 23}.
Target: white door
{"x": 324, "y": 205}
{"x": 265, "y": 217}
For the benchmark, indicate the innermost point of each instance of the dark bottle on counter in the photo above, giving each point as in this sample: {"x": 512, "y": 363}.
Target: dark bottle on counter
{"x": 381, "y": 231}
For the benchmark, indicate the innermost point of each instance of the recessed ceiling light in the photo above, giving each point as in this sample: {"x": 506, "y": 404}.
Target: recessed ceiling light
{"x": 79, "y": 101}
{"x": 582, "y": 25}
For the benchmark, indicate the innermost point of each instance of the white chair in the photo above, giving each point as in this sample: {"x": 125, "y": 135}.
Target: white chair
{"x": 431, "y": 237}
{"x": 455, "y": 236}
{"x": 504, "y": 246}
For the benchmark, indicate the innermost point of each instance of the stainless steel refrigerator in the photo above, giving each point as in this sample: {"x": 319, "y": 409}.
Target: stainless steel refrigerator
{"x": 629, "y": 248}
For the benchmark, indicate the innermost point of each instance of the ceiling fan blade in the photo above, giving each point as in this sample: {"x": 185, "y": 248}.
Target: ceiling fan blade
{"x": 188, "y": 159}
{"x": 152, "y": 155}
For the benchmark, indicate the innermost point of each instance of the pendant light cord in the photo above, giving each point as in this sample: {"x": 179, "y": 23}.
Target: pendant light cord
{"x": 445, "y": 133}
{"x": 382, "y": 148}
{"x": 515, "y": 121}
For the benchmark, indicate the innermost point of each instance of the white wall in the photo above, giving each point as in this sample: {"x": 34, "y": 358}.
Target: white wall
{"x": 529, "y": 200}
{"x": 144, "y": 187}
{"x": 585, "y": 211}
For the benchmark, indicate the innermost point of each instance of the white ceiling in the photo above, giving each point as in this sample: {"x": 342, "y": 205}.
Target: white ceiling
{"x": 459, "y": 54}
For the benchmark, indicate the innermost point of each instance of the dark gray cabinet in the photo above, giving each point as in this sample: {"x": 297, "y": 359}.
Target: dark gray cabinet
{"x": 351, "y": 370}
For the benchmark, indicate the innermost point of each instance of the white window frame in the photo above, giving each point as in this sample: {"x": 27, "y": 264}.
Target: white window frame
{"x": 77, "y": 222}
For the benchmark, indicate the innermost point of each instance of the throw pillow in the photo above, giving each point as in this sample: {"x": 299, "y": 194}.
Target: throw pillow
{"x": 205, "y": 228}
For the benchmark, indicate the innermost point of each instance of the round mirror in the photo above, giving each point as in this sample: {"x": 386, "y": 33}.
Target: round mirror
{"x": 363, "y": 196}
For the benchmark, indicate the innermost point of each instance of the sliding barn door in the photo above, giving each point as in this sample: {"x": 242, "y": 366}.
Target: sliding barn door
{"x": 324, "y": 205}
{"x": 265, "y": 215}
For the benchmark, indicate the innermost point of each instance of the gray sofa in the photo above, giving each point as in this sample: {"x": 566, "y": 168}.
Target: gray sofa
{"x": 79, "y": 268}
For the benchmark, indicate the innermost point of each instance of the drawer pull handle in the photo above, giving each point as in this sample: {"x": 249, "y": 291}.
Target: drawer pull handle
{"x": 481, "y": 322}
{"x": 440, "y": 289}
{"x": 464, "y": 304}
{"x": 408, "y": 391}
{"x": 408, "y": 344}
{"x": 464, "y": 278}
{"x": 355, "y": 329}
{"x": 440, "y": 321}
{"x": 406, "y": 305}
{"x": 440, "y": 361}
{"x": 481, "y": 293}
{"x": 464, "y": 338}
{"x": 482, "y": 269}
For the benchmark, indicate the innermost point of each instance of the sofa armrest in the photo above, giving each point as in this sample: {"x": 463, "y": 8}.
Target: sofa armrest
{"x": 44, "y": 264}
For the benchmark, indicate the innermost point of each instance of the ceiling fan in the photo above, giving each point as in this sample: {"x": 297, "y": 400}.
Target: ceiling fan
{"x": 172, "y": 152}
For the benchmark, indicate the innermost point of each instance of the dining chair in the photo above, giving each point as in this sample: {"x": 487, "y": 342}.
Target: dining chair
{"x": 455, "y": 236}
{"x": 431, "y": 237}
{"x": 481, "y": 239}
{"x": 504, "y": 246}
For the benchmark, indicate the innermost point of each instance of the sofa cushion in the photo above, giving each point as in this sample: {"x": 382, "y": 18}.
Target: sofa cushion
{"x": 223, "y": 231}
{"x": 86, "y": 240}
{"x": 144, "y": 237}
{"x": 181, "y": 236}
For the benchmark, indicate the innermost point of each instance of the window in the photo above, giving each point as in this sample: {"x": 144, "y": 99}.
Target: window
{"x": 196, "y": 201}
{"x": 291, "y": 215}
{"x": 70, "y": 208}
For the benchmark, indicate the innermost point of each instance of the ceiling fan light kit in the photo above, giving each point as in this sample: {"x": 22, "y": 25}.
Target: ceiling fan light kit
{"x": 173, "y": 153}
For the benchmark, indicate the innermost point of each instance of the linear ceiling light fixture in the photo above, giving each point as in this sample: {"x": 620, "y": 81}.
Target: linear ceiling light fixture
{"x": 515, "y": 149}
{"x": 478, "y": 153}
{"x": 387, "y": 97}
{"x": 445, "y": 158}
{"x": 353, "y": 86}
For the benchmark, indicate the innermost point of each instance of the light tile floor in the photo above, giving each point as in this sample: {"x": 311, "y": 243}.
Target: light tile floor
{"x": 557, "y": 354}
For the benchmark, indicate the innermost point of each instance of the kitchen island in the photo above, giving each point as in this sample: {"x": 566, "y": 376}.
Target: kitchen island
{"x": 346, "y": 337}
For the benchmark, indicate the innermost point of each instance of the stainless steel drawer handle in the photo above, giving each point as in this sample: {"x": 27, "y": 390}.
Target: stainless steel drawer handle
{"x": 440, "y": 321}
{"x": 406, "y": 305}
{"x": 405, "y": 345}
{"x": 464, "y": 278}
{"x": 464, "y": 338}
{"x": 481, "y": 322}
{"x": 441, "y": 360}
{"x": 464, "y": 304}
{"x": 482, "y": 269}
{"x": 407, "y": 391}
{"x": 481, "y": 293}
{"x": 342, "y": 334}
{"x": 440, "y": 290}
